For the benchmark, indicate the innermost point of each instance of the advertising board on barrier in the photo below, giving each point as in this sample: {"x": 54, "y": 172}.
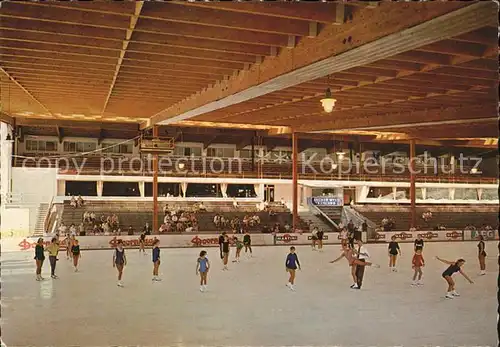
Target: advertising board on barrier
{"x": 304, "y": 239}
{"x": 471, "y": 235}
{"x": 130, "y": 241}
{"x": 410, "y": 236}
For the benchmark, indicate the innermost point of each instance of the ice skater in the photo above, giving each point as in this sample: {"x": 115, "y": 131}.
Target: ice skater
{"x": 225, "y": 251}
{"x": 202, "y": 267}
{"x": 142, "y": 242}
{"x": 352, "y": 261}
{"x": 53, "y": 250}
{"x": 75, "y": 252}
{"x": 247, "y": 242}
{"x": 156, "y": 260}
{"x": 448, "y": 273}
{"x": 39, "y": 258}
{"x": 221, "y": 241}
{"x": 320, "y": 234}
{"x": 314, "y": 238}
{"x": 291, "y": 265}
{"x": 418, "y": 244}
{"x": 481, "y": 255}
{"x": 239, "y": 247}
{"x": 417, "y": 263}
{"x": 343, "y": 236}
{"x": 68, "y": 242}
{"x": 362, "y": 255}
{"x": 119, "y": 261}
{"x": 394, "y": 250}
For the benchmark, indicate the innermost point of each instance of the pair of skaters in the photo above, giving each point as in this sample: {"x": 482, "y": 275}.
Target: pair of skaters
{"x": 224, "y": 247}
{"x": 418, "y": 261}
{"x": 73, "y": 249}
{"x": 120, "y": 260}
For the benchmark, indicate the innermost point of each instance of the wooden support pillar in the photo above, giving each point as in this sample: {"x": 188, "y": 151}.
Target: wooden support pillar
{"x": 295, "y": 155}
{"x": 412, "y": 184}
{"x": 155, "y": 186}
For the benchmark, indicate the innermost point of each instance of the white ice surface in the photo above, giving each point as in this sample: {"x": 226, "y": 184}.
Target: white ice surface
{"x": 248, "y": 305}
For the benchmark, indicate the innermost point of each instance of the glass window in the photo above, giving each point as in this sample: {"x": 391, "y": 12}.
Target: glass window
{"x": 438, "y": 194}
{"x": 466, "y": 194}
{"x": 489, "y": 194}
{"x": 247, "y": 153}
{"x": 51, "y": 146}
{"x": 31, "y": 145}
{"x": 380, "y": 193}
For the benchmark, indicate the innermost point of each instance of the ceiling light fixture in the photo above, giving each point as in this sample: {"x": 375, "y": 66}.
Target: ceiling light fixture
{"x": 328, "y": 102}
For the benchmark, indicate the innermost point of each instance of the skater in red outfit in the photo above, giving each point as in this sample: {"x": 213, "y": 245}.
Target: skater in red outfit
{"x": 417, "y": 264}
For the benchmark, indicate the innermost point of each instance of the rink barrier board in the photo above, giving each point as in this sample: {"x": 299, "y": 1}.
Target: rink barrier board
{"x": 441, "y": 235}
{"x": 16, "y": 244}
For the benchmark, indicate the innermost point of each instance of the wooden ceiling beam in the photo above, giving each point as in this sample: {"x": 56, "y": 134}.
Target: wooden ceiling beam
{"x": 176, "y": 41}
{"x": 61, "y": 29}
{"x": 245, "y": 88}
{"x": 457, "y": 48}
{"x": 44, "y": 56}
{"x": 481, "y": 64}
{"x": 125, "y": 44}
{"x": 8, "y": 62}
{"x": 4, "y": 117}
{"x": 406, "y": 119}
{"x": 76, "y": 124}
{"x": 55, "y": 71}
{"x": 422, "y": 58}
{"x": 27, "y": 92}
{"x": 199, "y": 63}
{"x": 212, "y": 33}
{"x": 188, "y": 53}
{"x": 82, "y": 38}
{"x": 63, "y": 15}
{"x": 323, "y": 12}
{"x": 214, "y": 17}
{"x": 486, "y": 35}
{"x": 60, "y": 133}
{"x": 208, "y": 141}
{"x": 55, "y": 48}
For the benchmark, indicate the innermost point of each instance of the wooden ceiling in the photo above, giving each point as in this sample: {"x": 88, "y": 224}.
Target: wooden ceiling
{"x": 148, "y": 62}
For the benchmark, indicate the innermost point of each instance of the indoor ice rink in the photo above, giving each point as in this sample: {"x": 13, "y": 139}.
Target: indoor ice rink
{"x": 249, "y": 305}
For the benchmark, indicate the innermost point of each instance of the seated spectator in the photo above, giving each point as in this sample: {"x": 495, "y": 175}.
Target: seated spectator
{"x": 73, "y": 202}
{"x": 105, "y": 228}
{"x": 217, "y": 220}
{"x": 282, "y": 202}
{"x": 202, "y": 207}
{"x": 72, "y": 230}
{"x": 103, "y": 219}
{"x": 256, "y": 220}
{"x": 81, "y": 229}
{"x": 235, "y": 204}
{"x": 80, "y": 201}
{"x": 97, "y": 229}
{"x": 62, "y": 229}
{"x": 130, "y": 230}
{"x": 165, "y": 209}
{"x": 427, "y": 216}
{"x": 163, "y": 228}
{"x": 86, "y": 217}
{"x": 175, "y": 218}
{"x": 166, "y": 219}
{"x": 287, "y": 227}
{"x": 92, "y": 217}
{"x": 272, "y": 213}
